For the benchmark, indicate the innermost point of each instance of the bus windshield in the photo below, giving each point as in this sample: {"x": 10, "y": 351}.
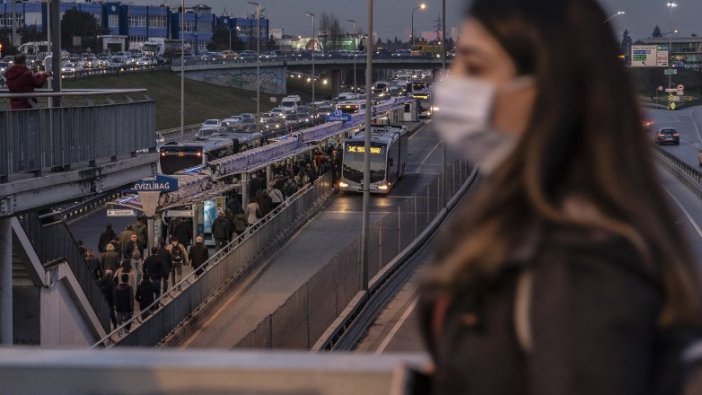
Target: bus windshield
{"x": 175, "y": 159}
{"x": 353, "y": 162}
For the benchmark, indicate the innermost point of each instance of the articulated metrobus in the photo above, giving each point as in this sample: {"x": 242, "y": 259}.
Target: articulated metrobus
{"x": 175, "y": 157}
{"x": 388, "y": 157}
{"x": 351, "y": 106}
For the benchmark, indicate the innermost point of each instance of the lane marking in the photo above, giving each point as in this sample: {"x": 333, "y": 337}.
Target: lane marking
{"x": 396, "y": 328}
{"x": 426, "y": 158}
{"x": 694, "y": 123}
{"x": 425, "y": 123}
{"x": 684, "y": 210}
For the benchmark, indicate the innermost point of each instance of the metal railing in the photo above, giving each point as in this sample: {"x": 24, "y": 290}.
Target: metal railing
{"x": 225, "y": 266}
{"x": 310, "y": 310}
{"x": 688, "y": 175}
{"x": 55, "y": 242}
{"x": 114, "y": 123}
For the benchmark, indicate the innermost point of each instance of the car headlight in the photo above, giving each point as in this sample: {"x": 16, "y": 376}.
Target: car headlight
{"x": 343, "y": 184}
{"x": 383, "y": 187}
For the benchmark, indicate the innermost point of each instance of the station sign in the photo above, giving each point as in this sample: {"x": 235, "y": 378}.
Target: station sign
{"x": 179, "y": 213}
{"x": 155, "y": 184}
{"x": 113, "y": 212}
{"x": 339, "y": 116}
{"x": 671, "y": 71}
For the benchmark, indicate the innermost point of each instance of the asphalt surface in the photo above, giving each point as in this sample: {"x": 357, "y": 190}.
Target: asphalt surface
{"x": 397, "y": 327}
{"x": 240, "y": 310}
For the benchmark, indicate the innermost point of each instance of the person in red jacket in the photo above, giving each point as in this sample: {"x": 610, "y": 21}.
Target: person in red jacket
{"x": 20, "y": 79}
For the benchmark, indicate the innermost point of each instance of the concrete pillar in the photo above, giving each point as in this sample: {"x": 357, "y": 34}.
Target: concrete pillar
{"x": 335, "y": 82}
{"x": 269, "y": 175}
{"x": 244, "y": 190}
{"x": 5, "y": 282}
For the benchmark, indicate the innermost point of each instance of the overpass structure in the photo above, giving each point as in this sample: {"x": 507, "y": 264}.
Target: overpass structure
{"x": 274, "y": 74}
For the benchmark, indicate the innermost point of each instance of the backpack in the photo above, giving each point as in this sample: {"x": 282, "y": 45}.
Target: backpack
{"x": 240, "y": 223}
{"x": 177, "y": 254}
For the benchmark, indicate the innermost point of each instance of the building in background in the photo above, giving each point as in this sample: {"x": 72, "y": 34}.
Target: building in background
{"x": 245, "y": 29}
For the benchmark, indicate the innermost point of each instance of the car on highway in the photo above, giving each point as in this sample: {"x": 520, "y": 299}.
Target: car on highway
{"x": 247, "y": 117}
{"x": 270, "y": 56}
{"x": 230, "y": 55}
{"x": 70, "y": 68}
{"x": 401, "y": 53}
{"x": 667, "y": 136}
{"x": 292, "y": 120}
{"x": 247, "y": 56}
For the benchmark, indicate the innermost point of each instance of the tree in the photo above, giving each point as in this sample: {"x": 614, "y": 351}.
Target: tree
{"x": 657, "y": 32}
{"x": 80, "y": 24}
{"x": 220, "y": 39}
{"x": 31, "y": 33}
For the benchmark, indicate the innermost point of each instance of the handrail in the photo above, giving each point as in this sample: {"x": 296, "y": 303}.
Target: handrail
{"x": 214, "y": 260}
{"x": 68, "y": 93}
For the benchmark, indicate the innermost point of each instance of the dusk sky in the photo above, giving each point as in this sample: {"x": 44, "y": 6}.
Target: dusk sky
{"x": 393, "y": 16}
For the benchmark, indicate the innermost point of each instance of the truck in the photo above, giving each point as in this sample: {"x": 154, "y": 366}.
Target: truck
{"x": 165, "y": 48}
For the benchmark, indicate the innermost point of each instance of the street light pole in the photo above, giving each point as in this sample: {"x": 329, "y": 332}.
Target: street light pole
{"x": 310, "y": 14}
{"x": 616, "y": 14}
{"x": 355, "y": 86}
{"x": 365, "y": 229}
{"x": 671, "y": 6}
{"x": 258, "y": 56}
{"x": 422, "y": 6}
{"x": 444, "y": 159}
{"x": 182, "y": 69}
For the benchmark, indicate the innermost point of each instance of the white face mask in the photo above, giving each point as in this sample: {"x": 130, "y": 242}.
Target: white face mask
{"x": 462, "y": 120}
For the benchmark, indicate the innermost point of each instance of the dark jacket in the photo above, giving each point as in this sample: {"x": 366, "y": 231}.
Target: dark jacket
{"x": 94, "y": 266}
{"x": 110, "y": 260}
{"x": 129, "y": 250}
{"x": 105, "y": 238}
{"x": 20, "y": 79}
{"x": 124, "y": 298}
{"x": 153, "y": 266}
{"x": 184, "y": 233}
{"x": 221, "y": 229}
{"x": 593, "y": 312}
{"x": 199, "y": 254}
{"x": 165, "y": 257}
{"x": 107, "y": 284}
{"x": 146, "y": 294}
{"x": 234, "y": 205}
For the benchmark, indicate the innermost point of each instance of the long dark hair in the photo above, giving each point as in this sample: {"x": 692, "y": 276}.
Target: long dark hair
{"x": 584, "y": 140}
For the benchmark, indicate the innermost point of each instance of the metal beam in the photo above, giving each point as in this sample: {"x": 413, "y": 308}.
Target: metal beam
{"x": 5, "y": 282}
{"x": 37, "y": 192}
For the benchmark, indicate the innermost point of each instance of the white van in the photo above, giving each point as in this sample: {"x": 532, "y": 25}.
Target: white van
{"x": 291, "y": 102}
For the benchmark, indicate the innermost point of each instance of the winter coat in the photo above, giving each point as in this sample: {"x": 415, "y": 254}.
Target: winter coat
{"x": 234, "y": 205}
{"x": 124, "y": 239}
{"x": 184, "y": 233}
{"x": 105, "y": 238}
{"x": 132, "y": 277}
{"x": 107, "y": 283}
{"x": 276, "y": 196}
{"x": 199, "y": 254}
{"x": 591, "y": 324}
{"x": 124, "y": 298}
{"x": 19, "y": 79}
{"x": 221, "y": 228}
{"x": 109, "y": 260}
{"x": 146, "y": 294}
{"x": 153, "y": 266}
{"x": 140, "y": 230}
{"x": 186, "y": 259}
{"x": 128, "y": 250}
{"x": 165, "y": 256}
{"x": 240, "y": 223}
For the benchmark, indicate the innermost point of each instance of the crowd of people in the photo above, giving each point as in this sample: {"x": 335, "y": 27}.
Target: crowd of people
{"x": 132, "y": 277}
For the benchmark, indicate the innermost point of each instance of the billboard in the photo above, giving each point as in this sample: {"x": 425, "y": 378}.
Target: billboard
{"x": 649, "y": 56}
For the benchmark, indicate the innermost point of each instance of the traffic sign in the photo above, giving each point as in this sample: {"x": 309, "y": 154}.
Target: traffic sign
{"x": 671, "y": 71}
{"x": 113, "y": 212}
{"x": 155, "y": 184}
{"x": 673, "y": 106}
{"x": 339, "y": 116}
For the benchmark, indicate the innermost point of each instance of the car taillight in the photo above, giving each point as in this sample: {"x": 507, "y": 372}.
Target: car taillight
{"x": 676, "y": 135}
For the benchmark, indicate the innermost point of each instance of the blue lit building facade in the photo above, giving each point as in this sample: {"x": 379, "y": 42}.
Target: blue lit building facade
{"x": 139, "y": 23}
{"x": 245, "y": 29}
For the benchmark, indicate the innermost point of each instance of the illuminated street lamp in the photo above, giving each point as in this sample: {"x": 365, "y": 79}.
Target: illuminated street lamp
{"x": 616, "y": 14}
{"x": 258, "y": 55}
{"x": 355, "y": 33}
{"x": 422, "y": 7}
{"x": 672, "y": 5}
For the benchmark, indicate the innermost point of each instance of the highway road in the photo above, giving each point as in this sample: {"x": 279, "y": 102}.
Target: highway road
{"x": 242, "y": 308}
{"x": 397, "y": 327}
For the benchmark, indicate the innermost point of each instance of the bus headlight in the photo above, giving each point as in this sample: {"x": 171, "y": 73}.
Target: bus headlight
{"x": 383, "y": 187}
{"x": 343, "y": 184}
